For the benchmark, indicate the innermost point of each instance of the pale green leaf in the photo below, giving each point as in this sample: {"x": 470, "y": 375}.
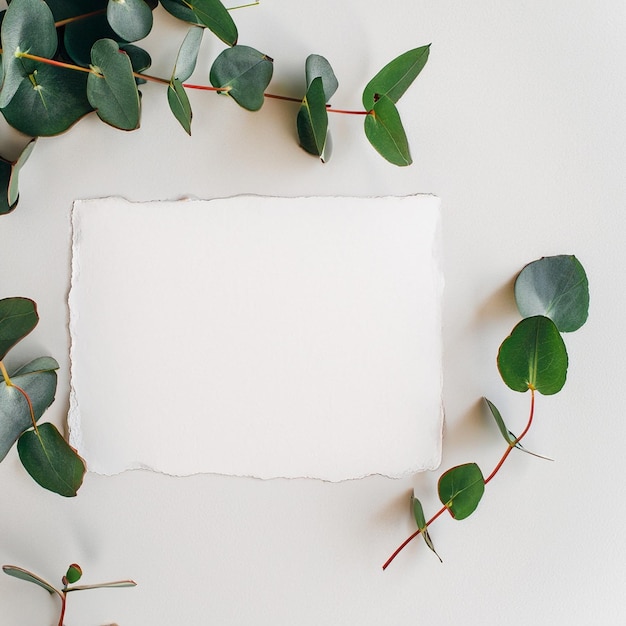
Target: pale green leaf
{"x": 317, "y": 65}
{"x": 130, "y": 19}
{"x": 188, "y": 54}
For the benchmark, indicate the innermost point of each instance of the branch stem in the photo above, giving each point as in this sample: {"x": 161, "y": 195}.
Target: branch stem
{"x": 496, "y": 469}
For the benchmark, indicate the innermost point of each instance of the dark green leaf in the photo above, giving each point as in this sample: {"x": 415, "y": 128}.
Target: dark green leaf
{"x": 533, "y": 356}
{"x": 420, "y": 520}
{"x": 460, "y": 489}
{"x": 74, "y": 574}
{"x": 22, "y": 574}
{"x": 556, "y": 287}
{"x": 506, "y": 433}
{"x": 396, "y": 77}
{"x": 80, "y": 37}
{"x": 65, "y": 9}
{"x": 28, "y": 26}
{"x": 139, "y": 59}
{"x": 38, "y": 380}
{"x": 209, "y": 13}
{"x": 9, "y": 179}
{"x": 130, "y": 19}
{"x": 50, "y": 103}
{"x": 385, "y": 132}
{"x": 18, "y": 317}
{"x": 317, "y": 65}
{"x": 179, "y": 104}
{"x": 188, "y": 54}
{"x": 112, "y": 91}
{"x": 312, "y": 121}
{"x": 50, "y": 460}
{"x": 245, "y": 73}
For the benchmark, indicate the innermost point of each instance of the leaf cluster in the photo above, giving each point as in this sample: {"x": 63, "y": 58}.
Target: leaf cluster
{"x": 25, "y": 394}
{"x": 64, "y": 59}
{"x": 73, "y": 575}
{"x": 552, "y": 296}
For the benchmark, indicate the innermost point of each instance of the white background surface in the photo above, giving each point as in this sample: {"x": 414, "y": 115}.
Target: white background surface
{"x": 518, "y": 123}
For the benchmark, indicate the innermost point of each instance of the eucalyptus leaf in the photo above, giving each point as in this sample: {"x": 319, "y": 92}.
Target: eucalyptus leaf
{"x": 140, "y": 60}
{"x": 22, "y": 574}
{"x": 15, "y": 418}
{"x": 420, "y": 520}
{"x": 79, "y": 37}
{"x": 396, "y": 77}
{"x": 188, "y": 54}
{"x": 384, "y": 130}
{"x": 504, "y": 431}
{"x": 534, "y": 356}
{"x": 18, "y": 317}
{"x": 50, "y": 460}
{"x": 179, "y": 104}
{"x": 28, "y": 26}
{"x": 112, "y": 90}
{"x": 65, "y": 9}
{"x": 460, "y": 489}
{"x": 49, "y": 103}
{"x": 556, "y": 287}
{"x": 210, "y": 13}
{"x": 317, "y": 65}
{"x": 74, "y": 574}
{"x": 9, "y": 179}
{"x": 130, "y": 19}
{"x": 243, "y": 73}
{"x": 312, "y": 121}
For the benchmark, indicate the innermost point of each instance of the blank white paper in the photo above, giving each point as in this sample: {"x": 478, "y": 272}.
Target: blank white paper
{"x": 256, "y": 336}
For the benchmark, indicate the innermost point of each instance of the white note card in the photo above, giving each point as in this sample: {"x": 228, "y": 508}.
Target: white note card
{"x": 257, "y": 336}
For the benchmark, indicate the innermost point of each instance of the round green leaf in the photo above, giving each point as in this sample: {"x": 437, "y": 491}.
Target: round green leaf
{"x": 130, "y": 19}
{"x": 209, "y": 13}
{"x": 245, "y": 73}
{"x": 317, "y": 65}
{"x": 556, "y": 287}
{"x": 396, "y": 77}
{"x": 384, "y": 130}
{"x": 112, "y": 90}
{"x": 534, "y": 356}
{"x": 40, "y": 386}
{"x": 49, "y": 103}
{"x": 50, "y": 460}
{"x": 28, "y": 26}
{"x": 312, "y": 121}
{"x": 18, "y": 317}
{"x": 74, "y": 574}
{"x": 460, "y": 489}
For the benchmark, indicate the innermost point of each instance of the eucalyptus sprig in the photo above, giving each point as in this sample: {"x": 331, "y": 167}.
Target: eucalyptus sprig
{"x": 73, "y": 575}
{"x": 25, "y": 394}
{"x": 63, "y": 59}
{"x": 552, "y": 295}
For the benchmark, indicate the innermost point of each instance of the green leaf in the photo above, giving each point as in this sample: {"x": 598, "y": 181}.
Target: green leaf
{"x": 9, "y": 179}
{"x": 556, "y": 287}
{"x": 64, "y": 9}
{"x": 50, "y": 460}
{"x": 385, "y": 132}
{"x": 73, "y": 575}
{"x": 80, "y": 37}
{"x": 48, "y": 103}
{"x": 460, "y": 489}
{"x": 506, "y": 433}
{"x": 22, "y": 574}
{"x": 18, "y": 317}
{"x": 38, "y": 380}
{"x": 28, "y": 26}
{"x": 139, "y": 59}
{"x": 317, "y": 65}
{"x": 534, "y": 356}
{"x": 112, "y": 91}
{"x": 312, "y": 121}
{"x": 420, "y": 520}
{"x": 130, "y": 19}
{"x": 209, "y": 13}
{"x": 396, "y": 77}
{"x": 245, "y": 73}
{"x": 188, "y": 54}
{"x": 179, "y": 104}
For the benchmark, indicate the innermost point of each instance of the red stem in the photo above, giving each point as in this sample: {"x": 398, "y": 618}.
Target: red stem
{"x": 63, "y": 603}
{"x": 495, "y": 471}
